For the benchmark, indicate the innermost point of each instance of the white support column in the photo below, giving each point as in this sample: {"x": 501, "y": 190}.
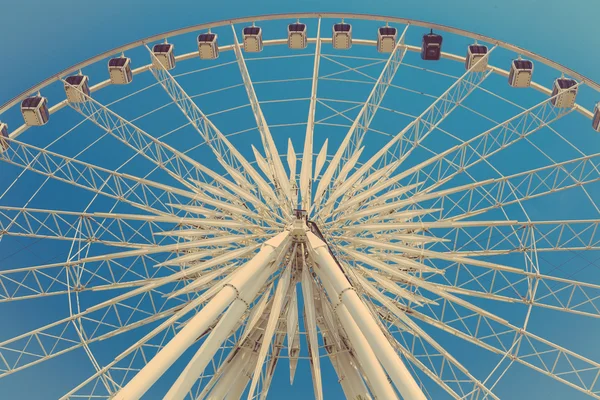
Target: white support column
{"x": 360, "y": 314}
{"x": 310, "y": 325}
{"x": 236, "y": 391}
{"x": 344, "y": 364}
{"x": 381, "y": 387}
{"x": 344, "y": 383}
{"x": 230, "y": 376}
{"x": 342, "y": 379}
{"x": 275, "y": 313}
{"x": 218, "y": 335}
{"x": 352, "y": 375}
{"x": 157, "y": 366}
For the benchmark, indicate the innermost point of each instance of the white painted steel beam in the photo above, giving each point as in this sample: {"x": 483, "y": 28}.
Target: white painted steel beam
{"x": 278, "y": 172}
{"x": 373, "y": 370}
{"x": 393, "y": 365}
{"x": 154, "y": 369}
{"x": 225, "y": 152}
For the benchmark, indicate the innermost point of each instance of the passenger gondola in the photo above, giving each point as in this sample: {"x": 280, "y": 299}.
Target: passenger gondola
{"x": 431, "y": 46}
{"x": 520, "y": 73}
{"x": 4, "y": 144}
{"x": 564, "y": 93}
{"x": 297, "y": 36}
{"x": 476, "y": 52}
{"x": 77, "y": 88}
{"x": 596, "y": 119}
{"x": 253, "y": 42}
{"x": 119, "y": 69}
{"x": 342, "y": 36}
{"x": 386, "y": 39}
{"x": 208, "y": 46}
{"x": 35, "y": 110}
{"x": 164, "y": 56}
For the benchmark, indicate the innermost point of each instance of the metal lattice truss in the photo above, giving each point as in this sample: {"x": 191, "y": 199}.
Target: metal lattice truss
{"x": 372, "y": 259}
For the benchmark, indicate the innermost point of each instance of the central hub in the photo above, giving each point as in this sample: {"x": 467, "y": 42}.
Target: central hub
{"x": 299, "y": 228}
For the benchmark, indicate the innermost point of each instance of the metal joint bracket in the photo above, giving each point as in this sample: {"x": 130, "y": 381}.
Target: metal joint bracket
{"x": 344, "y": 291}
{"x": 237, "y": 292}
{"x": 244, "y": 301}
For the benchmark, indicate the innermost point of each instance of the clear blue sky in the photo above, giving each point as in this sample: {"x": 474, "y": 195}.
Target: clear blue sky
{"x": 41, "y": 38}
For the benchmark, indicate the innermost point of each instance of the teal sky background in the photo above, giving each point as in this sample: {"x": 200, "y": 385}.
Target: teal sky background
{"x": 41, "y": 38}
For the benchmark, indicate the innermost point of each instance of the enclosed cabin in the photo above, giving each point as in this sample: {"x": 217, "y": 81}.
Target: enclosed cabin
{"x": 164, "y": 56}
{"x": 520, "y": 73}
{"x": 297, "y": 36}
{"x": 120, "y": 70}
{"x": 77, "y": 88}
{"x": 208, "y": 46}
{"x": 475, "y": 53}
{"x": 596, "y": 119}
{"x": 564, "y": 93}
{"x": 4, "y": 143}
{"x": 253, "y": 42}
{"x": 35, "y": 110}
{"x": 431, "y": 46}
{"x": 386, "y": 39}
{"x": 342, "y": 36}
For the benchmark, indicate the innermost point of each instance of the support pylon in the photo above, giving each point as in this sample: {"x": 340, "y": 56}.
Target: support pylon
{"x": 157, "y": 366}
{"x": 359, "y": 313}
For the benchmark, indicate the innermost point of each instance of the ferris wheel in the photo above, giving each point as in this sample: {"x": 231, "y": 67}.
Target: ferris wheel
{"x": 408, "y": 208}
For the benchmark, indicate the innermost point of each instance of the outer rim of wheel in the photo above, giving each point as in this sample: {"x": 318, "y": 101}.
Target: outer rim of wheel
{"x": 270, "y": 17}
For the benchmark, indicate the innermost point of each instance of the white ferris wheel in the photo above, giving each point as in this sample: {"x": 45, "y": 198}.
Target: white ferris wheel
{"x": 408, "y": 208}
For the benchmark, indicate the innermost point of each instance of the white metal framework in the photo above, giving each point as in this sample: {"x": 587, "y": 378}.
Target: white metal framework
{"x": 438, "y": 231}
